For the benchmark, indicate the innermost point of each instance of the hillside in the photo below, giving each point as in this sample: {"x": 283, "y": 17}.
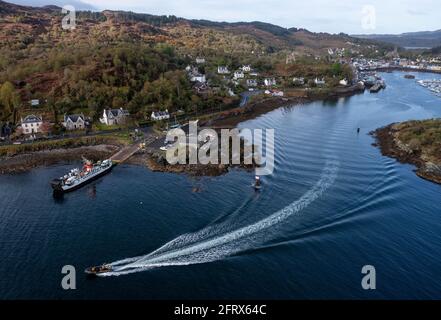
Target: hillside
{"x": 136, "y": 61}
{"x": 425, "y": 39}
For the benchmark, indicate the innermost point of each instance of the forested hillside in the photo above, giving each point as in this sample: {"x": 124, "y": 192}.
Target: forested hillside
{"x": 137, "y": 61}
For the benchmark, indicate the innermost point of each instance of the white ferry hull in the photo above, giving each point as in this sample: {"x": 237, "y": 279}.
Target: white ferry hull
{"x": 60, "y": 188}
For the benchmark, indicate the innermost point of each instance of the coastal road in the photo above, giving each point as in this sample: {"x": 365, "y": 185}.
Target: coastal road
{"x": 247, "y": 95}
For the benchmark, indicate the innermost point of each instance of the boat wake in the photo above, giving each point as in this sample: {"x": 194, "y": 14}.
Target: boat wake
{"x": 217, "y": 242}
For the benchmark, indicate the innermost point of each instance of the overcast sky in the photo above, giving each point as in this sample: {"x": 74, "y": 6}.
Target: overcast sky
{"x": 348, "y": 16}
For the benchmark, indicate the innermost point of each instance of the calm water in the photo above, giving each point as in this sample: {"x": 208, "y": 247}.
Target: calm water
{"x": 364, "y": 210}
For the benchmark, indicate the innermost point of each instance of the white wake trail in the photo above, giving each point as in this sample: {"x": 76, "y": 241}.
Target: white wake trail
{"x": 208, "y": 245}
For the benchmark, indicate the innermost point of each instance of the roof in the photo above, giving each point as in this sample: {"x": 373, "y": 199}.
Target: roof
{"x": 73, "y": 117}
{"x": 31, "y": 119}
{"x": 116, "y": 112}
{"x": 160, "y": 113}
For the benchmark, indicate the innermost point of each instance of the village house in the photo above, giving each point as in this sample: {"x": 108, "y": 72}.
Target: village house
{"x": 223, "y": 70}
{"x": 278, "y": 93}
{"x": 31, "y": 124}
{"x": 246, "y": 68}
{"x": 269, "y": 82}
{"x": 160, "y": 115}
{"x": 239, "y": 75}
{"x": 198, "y": 77}
{"x": 74, "y": 122}
{"x": 200, "y": 60}
{"x": 195, "y": 75}
{"x": 344, "y": 82}
{"x": 274, "y": 93}
{"x": 320, "y": 82}
{"x": 251, "y": 82}
{"x": 113, "y": 117}
{"x": 34, "y": 102}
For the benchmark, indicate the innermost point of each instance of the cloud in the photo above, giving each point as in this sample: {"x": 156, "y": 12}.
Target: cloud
{"x": 77, "y": 4}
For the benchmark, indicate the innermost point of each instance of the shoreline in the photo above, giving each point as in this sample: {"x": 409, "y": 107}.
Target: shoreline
{"x": 26, "y": 161}
{"x": 235, "y": 116}
{"x": 405, "y": 69}
{"x": 390, "y": 146}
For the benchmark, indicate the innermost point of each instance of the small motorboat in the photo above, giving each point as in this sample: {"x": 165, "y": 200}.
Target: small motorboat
{"x": 94, "y": 271}
{"x": 258, "y": 184}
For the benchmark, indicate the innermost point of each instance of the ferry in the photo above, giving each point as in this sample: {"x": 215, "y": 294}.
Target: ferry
{"x": 77, "y": 178}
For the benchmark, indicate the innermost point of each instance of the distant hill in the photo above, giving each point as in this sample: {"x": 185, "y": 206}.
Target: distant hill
{"x": 424, "y": 39}
{"x": 34, "y": 22}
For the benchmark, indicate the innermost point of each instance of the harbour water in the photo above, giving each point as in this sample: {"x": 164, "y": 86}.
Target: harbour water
{"x": 333, "y": 205}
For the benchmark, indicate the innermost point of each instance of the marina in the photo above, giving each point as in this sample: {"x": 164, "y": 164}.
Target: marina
{"x": 433, "y": 86}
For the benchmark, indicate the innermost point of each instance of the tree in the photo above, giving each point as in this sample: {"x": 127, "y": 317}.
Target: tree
{"x": 9, "y": 99}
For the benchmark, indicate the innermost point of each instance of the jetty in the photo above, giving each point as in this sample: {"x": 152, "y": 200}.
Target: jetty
{"x": 125, "y": 153}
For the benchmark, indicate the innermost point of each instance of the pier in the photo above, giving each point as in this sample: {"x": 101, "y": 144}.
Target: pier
{"x": 125, "y": 153}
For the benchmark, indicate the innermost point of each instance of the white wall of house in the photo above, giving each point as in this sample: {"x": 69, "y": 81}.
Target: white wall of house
{"x": 30, "y": 128}
{"x": 198, "y": 78}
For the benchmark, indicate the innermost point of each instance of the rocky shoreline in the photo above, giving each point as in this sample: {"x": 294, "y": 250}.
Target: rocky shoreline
{"x": 156, "y": 161}
{"x": 391, "y": 146}
{"x": 26, "y": 161}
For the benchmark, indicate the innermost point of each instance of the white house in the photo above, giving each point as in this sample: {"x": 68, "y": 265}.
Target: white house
{"x": 198, "y": 77}
{"x": 114, "y": 116}
{"x": 344, "y": 82}
{"x": 239, "y": 75}
{"x": 160, "y": 115}
{"x": 74, "y": 122}
{"x": 274, "y": 93}
{"x": 31, "y": 124}
{"x": 299, "y": 81}
{"x": 246, "y": 68}
{"x": 251, "y": 82}
{"x": 270, "y": 82}
{"x": 200, "y": 60}
{"x": 223, "y": 70}
{"x": 35, "y": 102}
{"x": 320, "y": 82}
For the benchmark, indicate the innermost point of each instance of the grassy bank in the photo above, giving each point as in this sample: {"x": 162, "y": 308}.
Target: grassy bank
{"x": 414, "y": 142}
{"x": 423, "y": 137}
{"x": 114, "y": 139}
